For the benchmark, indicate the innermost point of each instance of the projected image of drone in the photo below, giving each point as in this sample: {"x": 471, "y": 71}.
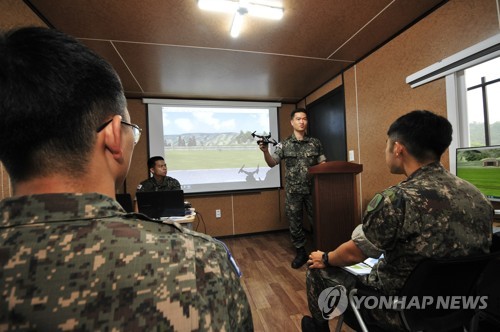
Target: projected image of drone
{"x": 265, "y": 139}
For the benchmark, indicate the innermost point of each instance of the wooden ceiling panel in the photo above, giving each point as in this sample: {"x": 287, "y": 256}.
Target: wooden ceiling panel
{"x": 315, "y": 30}
{"x": 171, "y": 48}
{"x": 197, "y": 73}
{"x": 108, "y": 52}
{"x": 391, "y": 21}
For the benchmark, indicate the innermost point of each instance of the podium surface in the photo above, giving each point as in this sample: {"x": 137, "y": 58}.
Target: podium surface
{"x": 335, "y": 203}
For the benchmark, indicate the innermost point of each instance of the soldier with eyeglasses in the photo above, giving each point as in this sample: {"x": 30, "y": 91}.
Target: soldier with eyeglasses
{"x": 70, "y": 257}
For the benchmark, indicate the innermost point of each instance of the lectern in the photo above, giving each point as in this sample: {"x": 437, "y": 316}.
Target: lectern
{"x": 335, "y": 199}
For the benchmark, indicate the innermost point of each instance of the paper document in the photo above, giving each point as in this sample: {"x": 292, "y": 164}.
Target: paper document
{"x": 364, "y": 267}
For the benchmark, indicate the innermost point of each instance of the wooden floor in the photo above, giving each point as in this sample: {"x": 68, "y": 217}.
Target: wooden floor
{"x": 276, "y": 292}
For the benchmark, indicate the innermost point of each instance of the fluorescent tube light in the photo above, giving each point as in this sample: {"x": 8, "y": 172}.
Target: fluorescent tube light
{"x": 273, "y": 13}
{"x": 237, "y": 22}
{"x": 225, "y": 6}
{"x": 241, "y": 8}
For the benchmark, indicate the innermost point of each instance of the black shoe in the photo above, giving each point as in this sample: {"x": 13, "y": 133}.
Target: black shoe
{"x": 300, "y": 259}
{"x": 310, "y": 324}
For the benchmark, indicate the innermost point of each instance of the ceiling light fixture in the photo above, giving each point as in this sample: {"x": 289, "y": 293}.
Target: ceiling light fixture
{"x": 240, "y": 8}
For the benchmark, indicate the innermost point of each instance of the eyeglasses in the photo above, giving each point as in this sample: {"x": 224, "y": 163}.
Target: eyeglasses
{"x": 136, "y": 130}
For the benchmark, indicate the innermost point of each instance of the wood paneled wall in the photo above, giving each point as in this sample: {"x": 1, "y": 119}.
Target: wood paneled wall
{"x": 375, "y": 89}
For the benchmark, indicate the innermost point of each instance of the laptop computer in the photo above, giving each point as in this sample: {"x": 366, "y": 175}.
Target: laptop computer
{"x": 160, "y": 204}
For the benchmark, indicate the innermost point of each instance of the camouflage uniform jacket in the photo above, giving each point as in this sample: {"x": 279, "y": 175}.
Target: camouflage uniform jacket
{"x": 79, "y": 262}
{"x": 299, "y": 156}
{"x": 431, "y": 214}
{"x": 150, "y": 184}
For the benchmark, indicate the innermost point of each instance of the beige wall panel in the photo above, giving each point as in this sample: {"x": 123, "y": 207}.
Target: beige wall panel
{"x": 206, "y": 206}
{"x": 258, "y": 212}
{"x": 351, "y": 117}
{"x": 352, "y": 129}
{"x": 5, "y": 185}
{"x": 329, "y": 86}
{"x": 138, "y": 167}
{"x": 301, "y": 104}
{"x": 286, "y": 130}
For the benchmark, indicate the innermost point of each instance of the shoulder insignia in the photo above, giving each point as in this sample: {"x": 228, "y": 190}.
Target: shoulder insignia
{"x": 375, "y": 202}
{"x": 230, "y": 258}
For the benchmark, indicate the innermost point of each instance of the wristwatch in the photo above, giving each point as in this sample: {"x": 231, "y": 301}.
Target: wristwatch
{"x": 325, "y": 259}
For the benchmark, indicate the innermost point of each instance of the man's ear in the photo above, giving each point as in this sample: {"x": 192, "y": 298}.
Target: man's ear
{"x": 399, "y": 148}
{"x": 113, "y": 137}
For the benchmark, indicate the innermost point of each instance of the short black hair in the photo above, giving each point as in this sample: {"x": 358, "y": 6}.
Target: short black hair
{"x": 54, "y": 93}
{"x": 152, "y": 161}
{"x": 297, "y": 110}
{"x": 425, "y": 134}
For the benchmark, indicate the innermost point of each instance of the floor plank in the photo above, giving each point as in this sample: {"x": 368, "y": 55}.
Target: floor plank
{"x": 276, "y": 292}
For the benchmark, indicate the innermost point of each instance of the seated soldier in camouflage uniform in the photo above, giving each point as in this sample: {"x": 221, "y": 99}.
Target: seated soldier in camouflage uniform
{"x": 430, "y": 214}
{"x": 158, "y": 181}
{"x": 70, "y": 257}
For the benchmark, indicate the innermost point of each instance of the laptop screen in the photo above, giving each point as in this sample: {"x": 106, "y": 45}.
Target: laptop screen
{"x": 158, "y": 204}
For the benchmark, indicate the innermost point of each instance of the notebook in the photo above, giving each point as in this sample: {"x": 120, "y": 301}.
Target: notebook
{"x": 160, "y": 204}
{"x": 365, "y": 267}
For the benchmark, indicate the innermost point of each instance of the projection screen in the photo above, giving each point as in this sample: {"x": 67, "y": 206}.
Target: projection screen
{"x": 208, "y": 145}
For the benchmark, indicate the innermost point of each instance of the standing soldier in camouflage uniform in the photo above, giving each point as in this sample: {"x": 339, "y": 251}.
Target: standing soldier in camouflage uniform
{"x": 158, "y": 181}
{"x": 430, "y": 214}
{"x": 70, "y": 257}
{"x": 299, "y": 152}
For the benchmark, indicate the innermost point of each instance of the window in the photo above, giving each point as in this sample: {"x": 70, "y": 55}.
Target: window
{"x": 482, "y": 84}
{"x": 472, "y": 102}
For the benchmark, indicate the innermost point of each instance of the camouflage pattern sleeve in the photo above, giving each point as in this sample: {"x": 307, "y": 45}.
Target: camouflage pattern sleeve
{"x": 172, "y": 184}
{"x": 382, "y": 220}
{"x": 78, "y": 262}
{"x": 321, "y": 153}
{"x": 278, "y": 153}
{"x": 145, "y": 185}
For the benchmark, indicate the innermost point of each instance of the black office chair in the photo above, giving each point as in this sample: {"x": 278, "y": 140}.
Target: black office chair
{"x": 488, "y": 319}
{"x": 436, "y": 278}
{"x": 125, "y": 201}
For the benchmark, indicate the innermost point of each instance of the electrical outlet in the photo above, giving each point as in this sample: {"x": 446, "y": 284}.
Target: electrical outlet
{"x": 217, "y": 213}
{"x": 351, "y": 155}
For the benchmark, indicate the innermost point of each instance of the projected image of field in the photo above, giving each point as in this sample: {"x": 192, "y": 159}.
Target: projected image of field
{"x": 190, "y": 159}
{"x": 212, "y": 148}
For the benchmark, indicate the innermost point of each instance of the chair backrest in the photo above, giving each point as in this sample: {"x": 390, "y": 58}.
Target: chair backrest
{"x": 489, "y": 317}
{"x": 450, "y": 283}
{"x": 125, "y": 201}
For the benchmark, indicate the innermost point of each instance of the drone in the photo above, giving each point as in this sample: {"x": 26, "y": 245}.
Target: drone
{"x": 265, "y": 139}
